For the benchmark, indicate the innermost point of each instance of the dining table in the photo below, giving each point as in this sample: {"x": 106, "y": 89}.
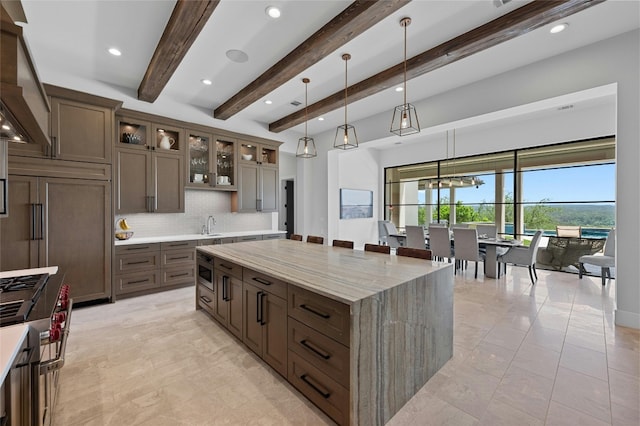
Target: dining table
{"x": 491, "y": 255}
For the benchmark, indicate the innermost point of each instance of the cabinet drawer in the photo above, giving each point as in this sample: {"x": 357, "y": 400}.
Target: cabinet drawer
{"x": 170, "y": 245}
{"x": 273, "y": 236}
{"x": 325, "y": 315}
{"x": 178, "y": 257}
{"x": 266, "y": 283}
{"x": 326, "y": 354}
{"x": 227, "y": 267}
{"x": 179, "y": 275}
{"x": 139, "y": 281}
{"x": 324, "y": 392}
{"x": 137, "y": 248}
{"x": 137, "y": 262}
{"x": 206, "y": 299}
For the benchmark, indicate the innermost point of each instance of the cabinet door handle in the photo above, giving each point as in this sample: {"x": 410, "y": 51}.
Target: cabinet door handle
{"x": 137, "y": 248}
{"x": 139, "y": 262}
{"x": 258, "y": 308}
{"x": 262, "y": 297}
{"x": 261, "y": 281}
{"x": 225, "y": 266}
{"x": 178, "y": 244}
{"x": 179, "y": 275}
{"x": 314, "y": 350}
{"x": 316, "y": 388}
{"x": 225, "y": 288}
{"x": 33, "y": 222}
{"x": 138, "y": 281}
{"x": 315, "y": 312}
{"x": 259, "y": 205}
{"x": 54, "y": 144}
{"x": 179, "y": 257}
{"x": 41, "y": 228}
{"x": 205, "y": 299}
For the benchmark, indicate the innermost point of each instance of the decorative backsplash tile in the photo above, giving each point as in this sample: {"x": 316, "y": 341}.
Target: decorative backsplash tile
{"x": 199, "y": 205}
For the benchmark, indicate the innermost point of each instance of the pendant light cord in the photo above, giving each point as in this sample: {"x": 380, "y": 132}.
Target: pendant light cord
{"x": 345, "y": 91}
{"x": 305, "y": 111}
{"x": 405, "y": 63}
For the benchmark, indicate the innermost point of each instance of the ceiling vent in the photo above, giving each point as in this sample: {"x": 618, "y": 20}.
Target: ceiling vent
{"x": 296, "y": 103}
{"x": 498, "y": 3}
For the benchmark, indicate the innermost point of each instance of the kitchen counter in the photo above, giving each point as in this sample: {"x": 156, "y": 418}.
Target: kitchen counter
{"x": 191, "y": 237}
{"x": 400, "y": 315}
{"x": 12, "y": 338}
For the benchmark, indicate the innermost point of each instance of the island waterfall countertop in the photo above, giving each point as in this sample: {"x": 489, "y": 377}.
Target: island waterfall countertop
{"x": 190, "y": 237}
{"x": 392, "y": 317}
{"x": 341, "y": 274}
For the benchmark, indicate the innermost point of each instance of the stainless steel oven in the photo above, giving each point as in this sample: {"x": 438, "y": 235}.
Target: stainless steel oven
{"x": 205, "y": 270}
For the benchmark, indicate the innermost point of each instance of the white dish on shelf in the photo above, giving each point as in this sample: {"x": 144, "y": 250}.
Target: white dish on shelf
{"x": 247, "y": 157}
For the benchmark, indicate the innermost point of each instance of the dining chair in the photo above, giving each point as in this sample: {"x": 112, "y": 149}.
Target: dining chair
{"x": 415, "y": 237}
{"x": 605, "y": 261}
{"x": 392, "y": 240}
{"x": 440, "y": 242}
{"x": 459, "y": 225}
{"x": 488, "y": 230}
{"x": 377, "y": 248}
{"x": 442, "y": 223}
{"x": 296, "y": 237}
{"x": 343, "y": 243}
{"x": 315, "y": 239}
{"x": 569, "y": 231}
{"x": 414, "y": 252}
{"x": 382, "y": 232}
{"x": 466, "y": 247}
{"x": 524, "y": 256}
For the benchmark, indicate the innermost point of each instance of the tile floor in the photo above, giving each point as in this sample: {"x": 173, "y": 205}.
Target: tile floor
{"x": 523, "y": 355}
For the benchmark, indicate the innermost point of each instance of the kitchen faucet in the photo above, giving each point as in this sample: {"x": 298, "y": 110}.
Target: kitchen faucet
{"x": 211, "y": 222}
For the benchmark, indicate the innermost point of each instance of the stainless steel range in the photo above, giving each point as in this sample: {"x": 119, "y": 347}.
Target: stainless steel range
{"x": 42, "y": 302}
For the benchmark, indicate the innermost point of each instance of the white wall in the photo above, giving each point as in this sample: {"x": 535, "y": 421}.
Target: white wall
{"x": 287, "y": 171}
{"x": 615, "y": 61}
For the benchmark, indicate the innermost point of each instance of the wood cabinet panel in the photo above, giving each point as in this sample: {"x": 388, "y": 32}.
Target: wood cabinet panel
{"x": 132, "y": 181}
{"x": 206, "y": 299}
{"x": 137, "y": 281}
{"x": 19, "y": 246}
{"x": 326, "y": 354}
{"x": 325, "y": 315}
{"x": 178, "y": 275}
{"x": 321, "y": 389}
{"x": 228, "y": 309}
{"x": 178, "y": 257}
{"x": 135, "y": 262}
{"x": 168, "y": 178}
{"x": 269, "y": 196}
{"x": 170, "y": 245}
{"x": 248, "y": 181}
{"x": 252, "y": 329}
{"x": 136, "y": 248}
{"x": 248, "y": 238}
{"x": 81, "y": 132}
{"x": 226, "y": 267}
{"x": 265, "y": 282}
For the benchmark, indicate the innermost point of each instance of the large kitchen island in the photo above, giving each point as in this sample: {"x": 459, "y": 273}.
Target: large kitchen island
{"x": 358, "y": 333}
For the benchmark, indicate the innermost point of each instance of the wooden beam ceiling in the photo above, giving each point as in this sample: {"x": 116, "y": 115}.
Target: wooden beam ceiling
{"x": 516, "y": 23}
{"x": 351, "y": 22}
{"x": 186, "y": 21}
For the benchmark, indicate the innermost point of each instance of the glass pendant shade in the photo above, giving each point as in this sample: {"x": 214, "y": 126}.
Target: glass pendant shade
{"x": 405, "y": 118}
{"x": 346, "y": 137}
{"x": 306, "y": 145}
{"x": 306, "y": 148}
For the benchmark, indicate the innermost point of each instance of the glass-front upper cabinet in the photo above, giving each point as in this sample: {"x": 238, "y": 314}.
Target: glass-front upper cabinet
{"x": 134, "y": 133}
{"x": 259, "y": 153}
{"x": 167, "y": 138}
{"x": 211, "y": 161}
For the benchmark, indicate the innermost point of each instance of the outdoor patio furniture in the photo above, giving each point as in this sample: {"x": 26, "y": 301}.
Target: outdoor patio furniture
{"x": 605, "y": 261}
{"x": 566, "y": 251}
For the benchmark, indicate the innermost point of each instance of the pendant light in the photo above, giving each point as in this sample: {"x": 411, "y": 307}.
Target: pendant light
{"x": 405, "y": 119}
{"x": 346, "y": 134}
{"x": 306, "y": 145}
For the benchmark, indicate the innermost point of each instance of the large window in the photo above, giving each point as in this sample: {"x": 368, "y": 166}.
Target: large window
{"x": 520, "y": 191}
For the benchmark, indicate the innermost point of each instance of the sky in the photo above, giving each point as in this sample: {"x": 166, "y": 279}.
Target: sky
{"x": 593, "y": 183}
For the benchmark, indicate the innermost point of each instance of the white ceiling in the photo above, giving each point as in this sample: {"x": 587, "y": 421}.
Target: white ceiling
{"x": 69, "y": 42}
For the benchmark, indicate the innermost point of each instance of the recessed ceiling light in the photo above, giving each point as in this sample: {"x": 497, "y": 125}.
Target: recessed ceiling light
{"x": 206, "y": 81}
{"x": 268, "y": 102}
{"x": 114, "y": 51}
{"x": 16, "y": 138}
{"x": 399, "y": 89}
{"x": 320, "y": 118}
{"x": 558, "y": 28}
{"x": 4, "y": 126}
{"x": 237, "y": 56}
{"x": 272, "y": 12}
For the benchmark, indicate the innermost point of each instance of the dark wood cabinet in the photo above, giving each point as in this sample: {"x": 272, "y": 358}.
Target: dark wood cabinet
{"x": 60, "y": 222}
{"x": 257, "y": 178}
{"x": 228, "y": 306}
{"x": 150, "y": 168}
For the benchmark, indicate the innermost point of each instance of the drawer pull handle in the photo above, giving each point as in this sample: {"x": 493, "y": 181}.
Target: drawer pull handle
{"x": 180, "y": 275}
{"x": 314, "y": 350}
{"x": 138, "y": 281}
{"x": 140, "y": 262}
{"x": 179, "y": 257}
{"x": 226, "y": 266}
{"x": 205, "y": 299}
{"x": 324, "y": 394}
{"x": 313, "y": 311}
{"x": 137, "y": 248}
{"x": 178, "y": 244}
{"x": 261, "y": 281}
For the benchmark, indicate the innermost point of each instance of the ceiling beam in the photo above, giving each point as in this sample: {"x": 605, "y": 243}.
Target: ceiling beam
{"x": 186, "y": 21}
{"x": 351, "y": 22}
{"x": 516, "y": 23}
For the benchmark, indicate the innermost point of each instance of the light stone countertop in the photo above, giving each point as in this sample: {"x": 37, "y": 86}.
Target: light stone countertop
{"x": 189, "y": 237}
{"x": 341, "y": 274}
{"x": 12, "y": 338}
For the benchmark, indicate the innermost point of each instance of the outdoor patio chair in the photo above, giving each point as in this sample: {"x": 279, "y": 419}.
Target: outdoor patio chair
{"x": 605, "y": 261}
